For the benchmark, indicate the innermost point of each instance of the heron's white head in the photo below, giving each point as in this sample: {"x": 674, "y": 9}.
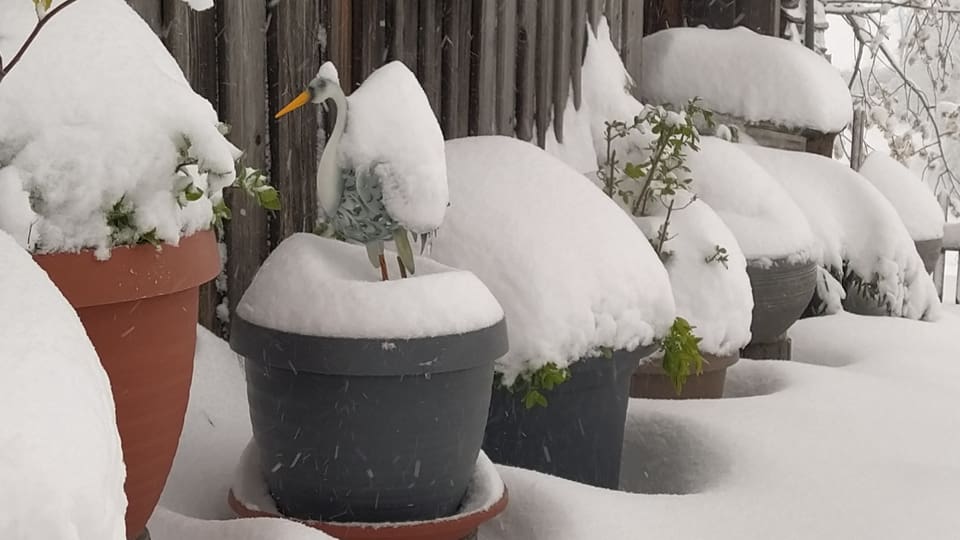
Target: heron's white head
{"x": 324, "y": 86}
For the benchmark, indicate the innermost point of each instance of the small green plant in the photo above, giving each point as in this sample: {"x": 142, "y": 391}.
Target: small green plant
{"x": 533, "y": 384}
{"x": 681, "y": 353}
{"x": 719, "y": 255}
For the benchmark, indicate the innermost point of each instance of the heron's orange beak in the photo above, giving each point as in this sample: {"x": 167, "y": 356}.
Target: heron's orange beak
{"x": 297, "y": 102}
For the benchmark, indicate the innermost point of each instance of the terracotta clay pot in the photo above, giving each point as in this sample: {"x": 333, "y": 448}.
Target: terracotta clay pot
{"x": 929, "y": 251}
{"x": 650, "y": 381}
{"x": 456, "y": 527}
{"x": 139, "y": 309}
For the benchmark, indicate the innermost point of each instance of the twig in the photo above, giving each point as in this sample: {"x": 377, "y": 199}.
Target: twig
{"x": 5, "y": 69}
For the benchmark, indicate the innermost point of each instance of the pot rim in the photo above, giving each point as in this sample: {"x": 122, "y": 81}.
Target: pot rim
{"x": 711, "y": 363}
{"x": 368, "y": 356}
{"x": 133, "y": 272}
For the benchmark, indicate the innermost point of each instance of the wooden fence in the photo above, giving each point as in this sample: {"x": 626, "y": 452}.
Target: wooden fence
{"x": 761, "y": 16}
{"x": 488, "y": 67}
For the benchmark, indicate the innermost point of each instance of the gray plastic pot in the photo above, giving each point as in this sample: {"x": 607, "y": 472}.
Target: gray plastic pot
{"x": 929, "y": 251}
{"x": 368, "y": 430}
{"x": 579, "y": 434}
{"x": 781, "y": 292}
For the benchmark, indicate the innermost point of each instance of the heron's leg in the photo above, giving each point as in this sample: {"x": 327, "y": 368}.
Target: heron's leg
{"x": 383, "y": 268}
{"x": 403, "y": 269}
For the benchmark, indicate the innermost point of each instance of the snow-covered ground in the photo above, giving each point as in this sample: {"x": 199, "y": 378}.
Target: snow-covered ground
{"x": 856, "y": 438}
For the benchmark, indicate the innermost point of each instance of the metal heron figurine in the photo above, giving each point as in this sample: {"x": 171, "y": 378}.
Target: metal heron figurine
{"x": 351, "y": 198}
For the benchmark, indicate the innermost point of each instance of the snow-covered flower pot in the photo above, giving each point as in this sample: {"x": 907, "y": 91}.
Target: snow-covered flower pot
{"x": 368, "y": 398}
{"x": 929, "y": 251}
{"x": 140, "y": 310}
{"x": 579, "y": 434}
{"x": 781, "y": 292}
{"x": 576, "y": 278}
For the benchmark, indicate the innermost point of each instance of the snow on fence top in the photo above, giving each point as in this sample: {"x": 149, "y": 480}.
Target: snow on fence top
{"x": 912, "y": 198}
{"x": 765, "y": 220}
{"x": 572, "y": 271}
{"x": 323, "y": 287}
{"x": 854, "y": 223}
{"x": 95, "y": 113}
{"x": 54, "y": 395}
{"x": 750, "y": 76}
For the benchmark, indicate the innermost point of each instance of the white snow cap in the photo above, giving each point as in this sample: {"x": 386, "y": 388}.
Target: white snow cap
{"x": 61, "y": 468}
{"x": 741, "y": 73}
{"x": 767, "y": 223}
{"x": 572, "y": 271}
{"x": 393, "y": 132}
{"x": 854, "y": 222}
{"x": 716, "y": 299}
{"x": 915, "y": 202}
{"x": 322, "y": 287}
{"x": 96, "y": 111}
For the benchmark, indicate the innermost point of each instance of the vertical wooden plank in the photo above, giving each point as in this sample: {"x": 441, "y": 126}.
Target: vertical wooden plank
{"x": 191, "y": 39}
{"x": 614, "y": 14}
{"x": 632, "y": 38}
{"x": 526, "y": 68}
{"x": 455, "y": 69}
{"x": 401, "y": 31}
{"x": 578, "y": 46}
{"x": 660, "y": 14}
{"x": 762, "y": 16}
{"x": 293, "y": 55}
{"x": 151, "y": 11}
{"x": 243, "y": 100}
{"x": 561, "y": 58}
{"x": 370, "y": 39}
{"x": 595, "y": 10}
{"x": 506, "y": 67}
{"x": 429, "y": 38}
{"x": 544, "y": 69}
{"x": 483, "y": 87}
{"x": 337, "y": 19}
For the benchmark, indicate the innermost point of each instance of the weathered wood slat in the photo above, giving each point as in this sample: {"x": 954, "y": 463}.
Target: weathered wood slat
{"x": 577, "y": 47}
{"x": 293, "y": 52}
{"x": 401, "y": 30}
{"x": 151, "y": 11}
{"x": 561, "y": 57}
{"x": 595, "y": 10}
{"x": 507, "y": 60}
{"x": 483, "y": 101}
{"x": 545, "y": 66}
{"x": 614, "y": 14}
{"x": 337, "y": 20}
{"x": 761, "y": 16}
{"x": 429, "y": 38}
{"x": 370, "y": 38}
{"x": 243, "y": 67}
{"x": 191, "y": 38}
{"x": 526, "y": 69}
{"x": 455, "y": 82}
{"x": 632, "y": 38}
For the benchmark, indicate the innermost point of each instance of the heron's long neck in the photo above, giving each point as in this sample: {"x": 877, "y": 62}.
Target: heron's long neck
{"x": 328, "y": 170}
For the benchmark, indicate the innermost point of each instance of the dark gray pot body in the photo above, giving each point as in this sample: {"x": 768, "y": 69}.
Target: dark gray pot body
{"x": 368, "y": 430}
{"x": 579, "y": 434}
{"x": 780, "y": 294}
{"x": 929, "y": 251}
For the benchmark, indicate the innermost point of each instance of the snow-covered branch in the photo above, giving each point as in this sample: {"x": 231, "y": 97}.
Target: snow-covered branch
{"x": 5, "y": 69}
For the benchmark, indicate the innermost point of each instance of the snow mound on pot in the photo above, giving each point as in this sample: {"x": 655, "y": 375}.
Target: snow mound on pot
{"x": 323, "y": 287}
{"x": 61, "y": 468}
{"x": 574, "y": 274}
{"x": 911, "y": 197}
{"x": 854, "y": 224}
{"x": 97, "y": 112}
{"x": 714, "y": 297}
{"x": 410, "y": 164}
{"x": 741, "y": 73}
{"x": 767, "y": 223}
{"x": 167, "y": 525}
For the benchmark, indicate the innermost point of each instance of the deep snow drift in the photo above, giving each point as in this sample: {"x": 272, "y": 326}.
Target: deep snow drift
{"x": 97, "y": 115}
{"x": 61, "y": 469}
{"x": 738, "y": 72}
{"x": 572, "y": 271}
